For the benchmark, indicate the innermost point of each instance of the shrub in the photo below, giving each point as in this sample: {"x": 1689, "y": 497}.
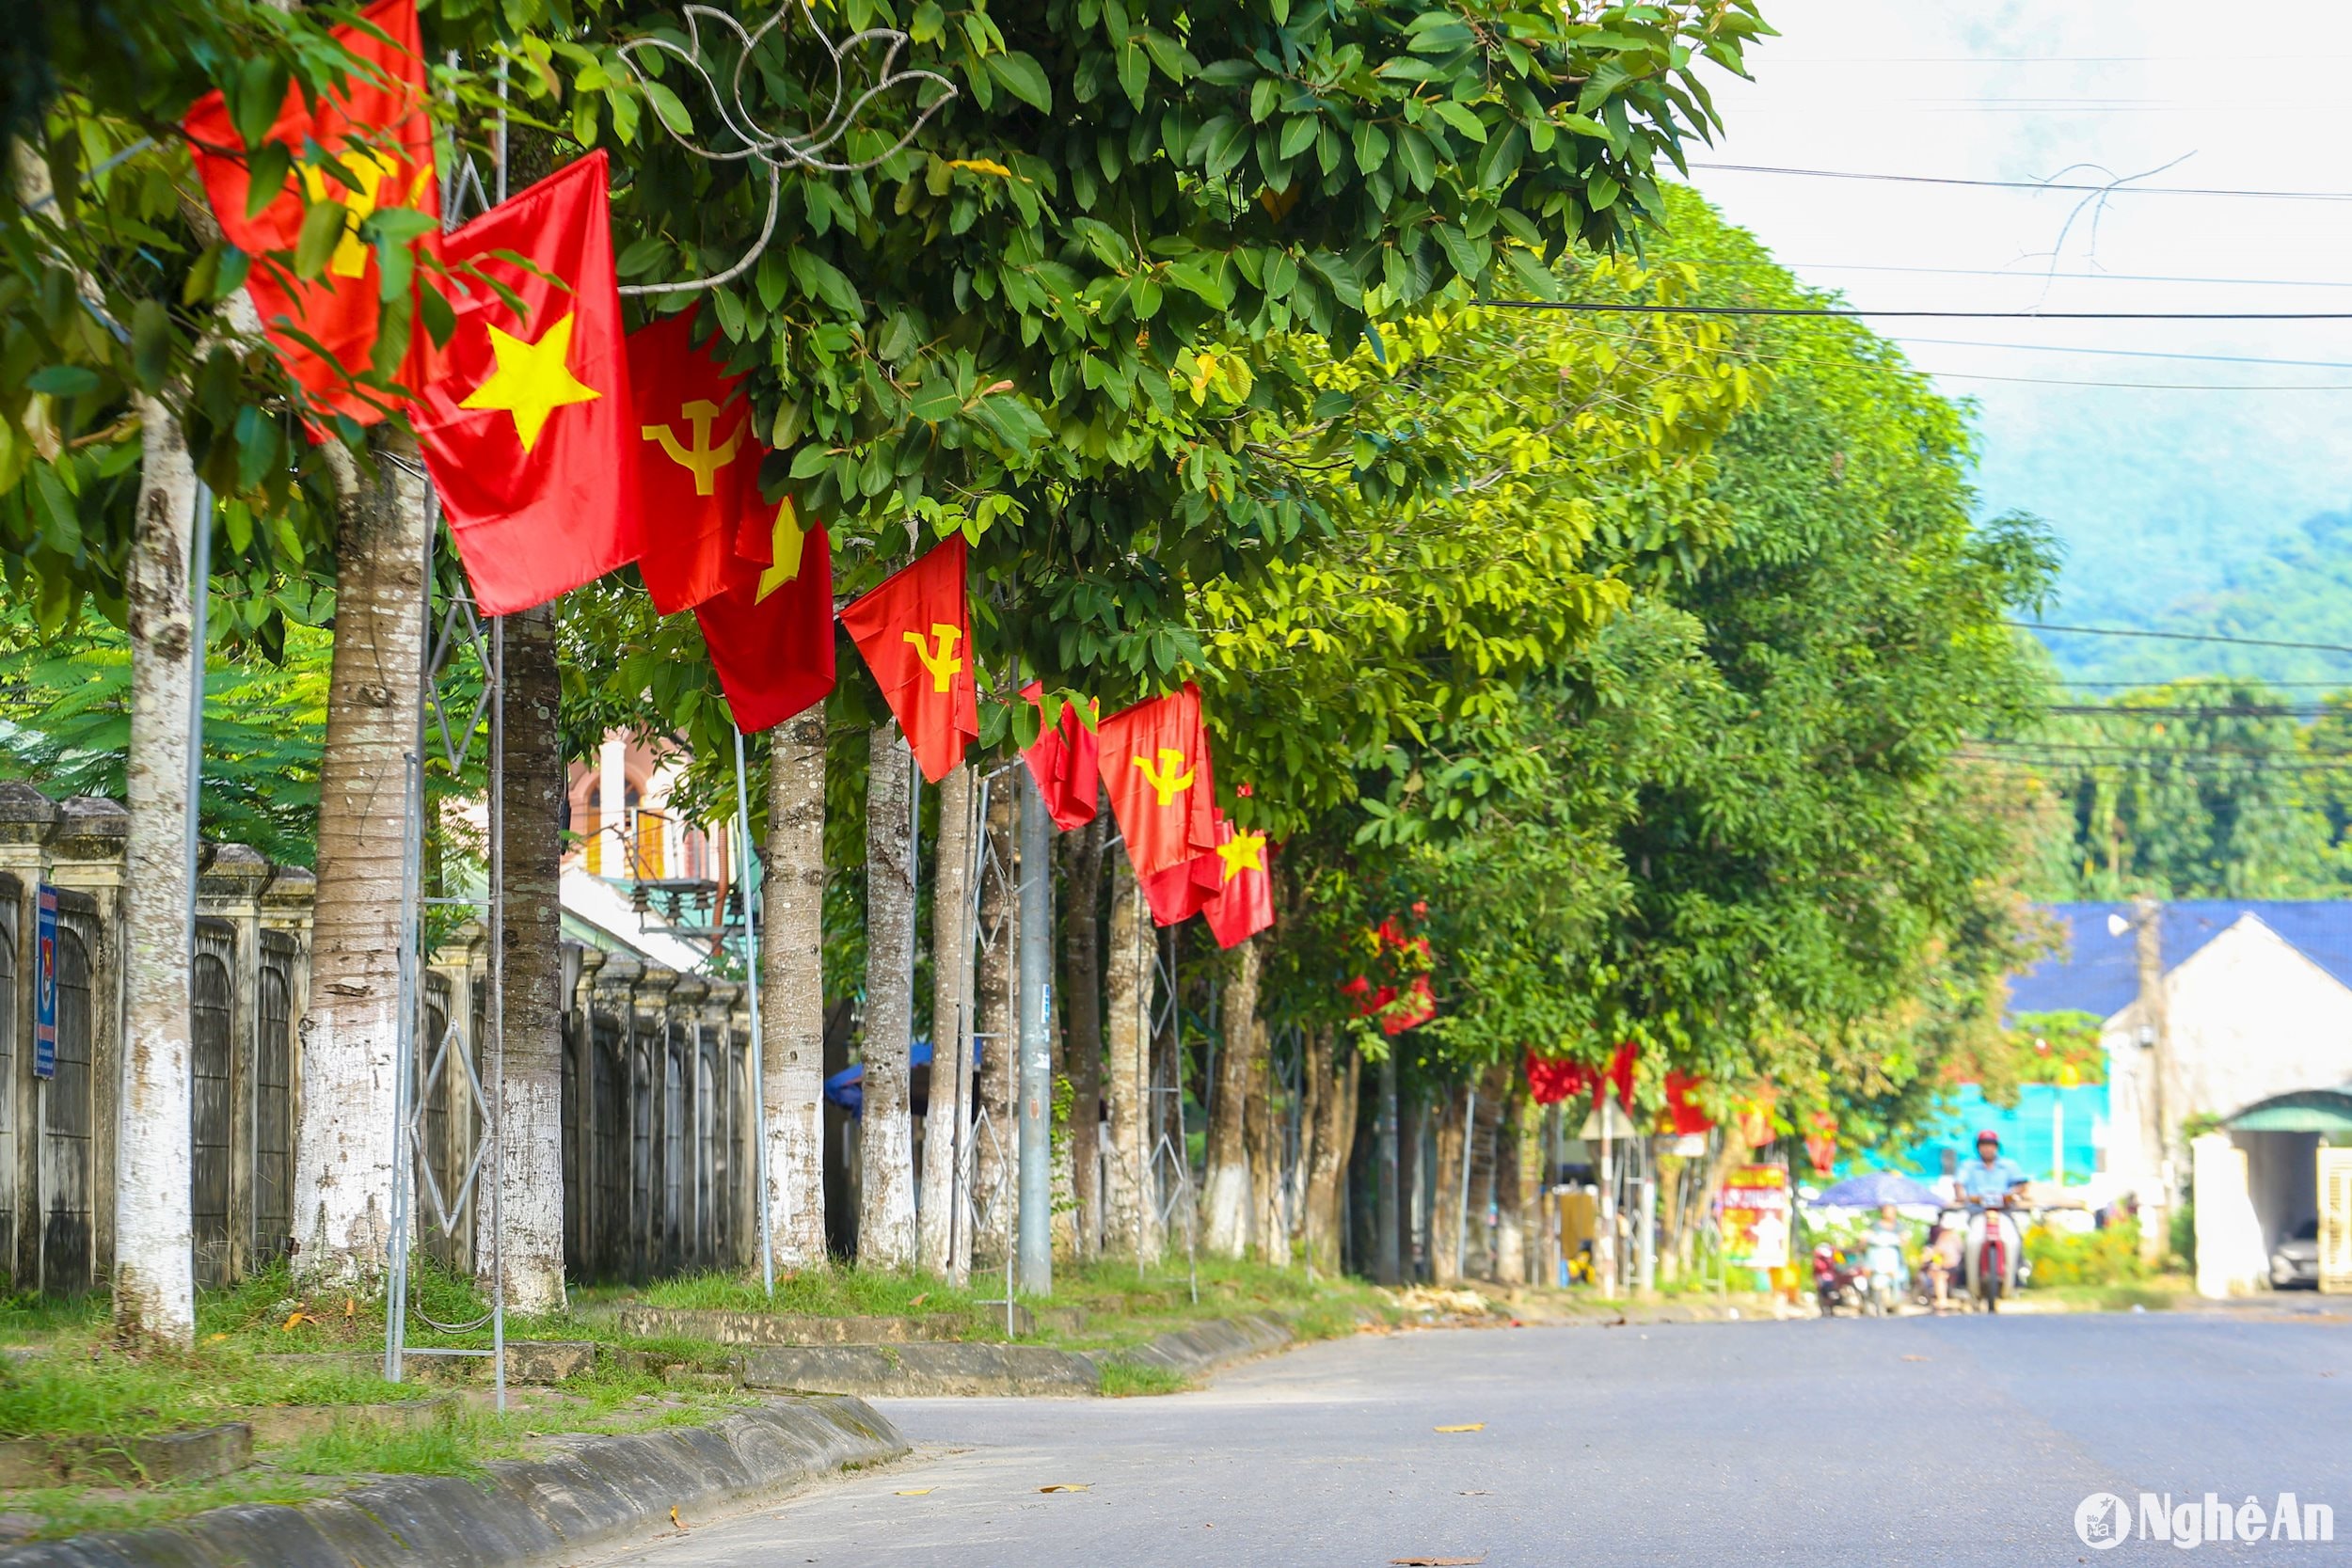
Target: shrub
{"x": 2109, "y": 1256}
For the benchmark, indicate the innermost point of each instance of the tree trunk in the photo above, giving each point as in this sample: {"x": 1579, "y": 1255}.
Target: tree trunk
{"x": 1408, "y": 1129}
{"x": 531, "y": 1099}
{"x": 994, "y": 1206}
{"x": 1445, "y": 1187}
{"x": 792, "y": 990}
{"x": 1478, "y": 1246}
{"x": 1082, "y": 1026}
{"x": 1334, "y": 1135}
{"x": 154, "y": 1280}
{"x": 1130, "y": 1206}
{"x": 345, "y": 1093}
{"x": 1225, "y": 1187}
{"x": 885, "y": 1220}
{"x": 950, "y": 1107}
{"x": 1263, "y": 1132}
{"x": 1510, "y": 1252}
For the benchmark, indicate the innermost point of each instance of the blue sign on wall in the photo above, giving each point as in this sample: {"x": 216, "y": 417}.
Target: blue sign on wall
{"x": 45, "y": 986}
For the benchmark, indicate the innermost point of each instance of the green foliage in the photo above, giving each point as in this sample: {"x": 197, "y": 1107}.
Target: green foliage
{"x": 1125, "y": 1379}
{"x": 2109, "y": 1256}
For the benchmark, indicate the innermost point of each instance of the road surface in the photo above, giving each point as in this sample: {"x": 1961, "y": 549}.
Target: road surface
{"x": 1950, "y": 1441}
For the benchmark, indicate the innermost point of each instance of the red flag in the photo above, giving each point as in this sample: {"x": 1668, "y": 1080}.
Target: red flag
{"x": 1065, "y": 763}
{"x": 1181, "y": 890}
{"x": 770, "y": 630}
{"x": 1243, "y": 904}
{"x": 1154, "y": 761}
{"x": 915, "y": 632}
{"x": 530, "y": 431}
{"x": 1683, "y": 1113}
{"x": 376, "y": 128}
{"x": 697, "y": 465}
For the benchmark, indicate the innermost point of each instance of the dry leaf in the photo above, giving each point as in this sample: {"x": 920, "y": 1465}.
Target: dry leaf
{"x": 1466, "y": 1426}
{"x": 920, "y": 1300}
{"x": 910, "y": 1492}
{"x": 214, "y": 1338}
{"x": 1474, "y": 1494}
{"x": 1914, "y": 1359}
{"x": 674, "y": 1519}
{"x": 296, "y": 1315}
{"x": 1436, "y": 1561}
{"x": 1066, "y": 1486}
{"x": 351, "y": 1307}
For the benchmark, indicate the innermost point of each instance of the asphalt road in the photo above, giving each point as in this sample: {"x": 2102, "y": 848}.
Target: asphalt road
{"x": 1952, "y": 1441}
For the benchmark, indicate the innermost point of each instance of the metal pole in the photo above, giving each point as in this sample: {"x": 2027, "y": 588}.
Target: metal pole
{"x": 1037, "y": 1057}
{"x": 1461, "y": 1232}
{"x": 1644, "y": 1248}
{"x": 1388, "y": 1260}
{"x": 411, "y": 984}
{"x": 751, "y": 989}
{"x": 199, "y": 605}
{"x": 497, "y": 1097}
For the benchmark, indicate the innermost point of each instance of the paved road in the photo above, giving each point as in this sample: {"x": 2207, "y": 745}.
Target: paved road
{"x": 1957, "y": 1441}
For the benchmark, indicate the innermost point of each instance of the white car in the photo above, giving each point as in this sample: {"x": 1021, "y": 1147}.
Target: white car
{"x": 2295, "y": 1266}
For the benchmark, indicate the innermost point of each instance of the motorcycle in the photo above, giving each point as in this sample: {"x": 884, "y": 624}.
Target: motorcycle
{"x": 1837, "y": 1282}
{"x": 1994, "y": 1262}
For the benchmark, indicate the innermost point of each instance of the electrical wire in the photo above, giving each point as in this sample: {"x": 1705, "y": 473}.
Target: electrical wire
{"x": 2026, "y": 184}
{"x": 1598, "y": 308}
{"x": 2183, "y": 637}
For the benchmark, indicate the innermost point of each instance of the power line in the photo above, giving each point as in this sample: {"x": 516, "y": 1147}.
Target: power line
{"x": 1596, "y": 308}
{"x": 2183, "y": 637}
{"x": 2029, "y": 185}
{"x": 2041, "y": 277}
{"x": 2140, "y": 354}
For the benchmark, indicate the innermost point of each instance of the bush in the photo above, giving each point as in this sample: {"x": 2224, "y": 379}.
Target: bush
{"x": 2109, "y": 1256}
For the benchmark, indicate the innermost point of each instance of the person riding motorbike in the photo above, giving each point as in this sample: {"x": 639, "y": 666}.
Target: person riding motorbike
{"x": 1988, "y": 1189}
{"x": 1883, "y": 1254}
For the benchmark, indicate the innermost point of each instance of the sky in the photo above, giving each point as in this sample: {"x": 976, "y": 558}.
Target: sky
{"x": 2151, "y": 490}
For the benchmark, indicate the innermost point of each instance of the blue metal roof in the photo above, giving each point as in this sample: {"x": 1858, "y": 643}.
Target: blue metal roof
{"x": 2096, "y": 970}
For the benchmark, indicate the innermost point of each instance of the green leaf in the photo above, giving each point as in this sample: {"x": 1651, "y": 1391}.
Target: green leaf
{"x": 671, "y": 112}
{"x": 62, "y": 381}
{"x": 642, "y": 254}
{"x": 268, "y": 173}
{"x": 1024, "y": 78}
{"x": 323, "y": 228}
{"x": 1296, "y": 136}
{"x": 810, "y": 461}
{"x": 1226, "y": 140}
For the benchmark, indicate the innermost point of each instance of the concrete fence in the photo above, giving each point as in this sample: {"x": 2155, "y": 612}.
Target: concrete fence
{"x": 657, "y": 1087}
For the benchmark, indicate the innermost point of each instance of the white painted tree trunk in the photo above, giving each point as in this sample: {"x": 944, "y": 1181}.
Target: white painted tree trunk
{"x": 530, "y": 1098}
{"x": 885, "y": 1220}
{"x": 951, "y": 1028}
{"x": 792, "y": 990}
{"x": 1225, "y": 1188}
{"x": 154, "y": 1282}
{"x": 994, "y": 1011}
{"x": 345, "y": 1079}
{"x": 1130, "y": 1198}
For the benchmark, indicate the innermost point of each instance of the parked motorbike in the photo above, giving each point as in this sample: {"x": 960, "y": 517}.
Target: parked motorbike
{"x": 1839, "y": 1281}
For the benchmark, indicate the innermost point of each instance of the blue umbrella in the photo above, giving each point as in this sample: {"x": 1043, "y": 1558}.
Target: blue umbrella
{"x": 1876, "y": 1187}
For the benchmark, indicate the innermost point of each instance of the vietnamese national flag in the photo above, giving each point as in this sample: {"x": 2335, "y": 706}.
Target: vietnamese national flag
{"x": 1243, "y": 904}
{"x": 697, "y": 465}
{"x": 915, "y": 632}
{"x": 530, "y": 431}
{"x": 376, "y": 127}
{"x": 1154, "y": 761}
{"x": 1064, "y": 763}
{"x": 1181, "y": 890}
{"x": 770, "y": 629}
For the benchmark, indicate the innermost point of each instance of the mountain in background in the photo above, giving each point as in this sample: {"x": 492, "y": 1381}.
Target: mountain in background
{"x": 2294, "y": 586}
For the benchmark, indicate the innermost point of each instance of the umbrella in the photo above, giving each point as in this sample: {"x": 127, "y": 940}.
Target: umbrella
{"x": 1879, "y": 1186}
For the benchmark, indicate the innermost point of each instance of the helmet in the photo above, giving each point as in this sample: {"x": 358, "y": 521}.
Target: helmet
{"x": 1987, "y": 1135}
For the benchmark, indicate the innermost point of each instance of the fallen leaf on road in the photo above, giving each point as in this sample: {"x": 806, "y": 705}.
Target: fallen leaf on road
{"x": 916, "y": 1491}
{"x": 1474, "y": 1494}
{"x": 1466, "y": 1426}
{"x": 1066, "y": 1486}
{"x": 1914, "y": 1359}
{"x": 1436, "y": 1562}
{"x": 674, "y": 1519}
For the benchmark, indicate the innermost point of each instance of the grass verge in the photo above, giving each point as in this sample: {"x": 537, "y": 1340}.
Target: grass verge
{"x": 1125, "y": 1379}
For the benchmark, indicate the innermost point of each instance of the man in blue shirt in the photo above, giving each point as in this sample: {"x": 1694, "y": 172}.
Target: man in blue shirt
{"x": 1992, "y": 1179}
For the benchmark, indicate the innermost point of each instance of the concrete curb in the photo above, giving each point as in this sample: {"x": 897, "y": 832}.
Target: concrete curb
{"x": 599, "y": 1493}
{"x": 919, "y": 1370}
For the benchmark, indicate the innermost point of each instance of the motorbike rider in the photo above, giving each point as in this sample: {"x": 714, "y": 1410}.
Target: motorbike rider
{"x": 1986, "y": 1188}
{"x": 1882, "y": 1251}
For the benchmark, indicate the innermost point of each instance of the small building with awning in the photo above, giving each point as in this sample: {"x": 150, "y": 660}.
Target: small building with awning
{"x": 2275, "y": 1172}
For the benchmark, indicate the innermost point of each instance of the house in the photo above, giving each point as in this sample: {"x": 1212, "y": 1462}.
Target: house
{"x": 2255, "y": 1009}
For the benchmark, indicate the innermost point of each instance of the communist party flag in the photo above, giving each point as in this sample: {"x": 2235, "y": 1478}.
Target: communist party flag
{"x": 530, "y": 430}
{"x": 1154, "y": 761}
{"x": 1243, "y": 904}
{"x": 1065, "y": 765}
{"x": 697, "y": 465}
{"x": 375, "y": 126}
{"x": 771, "y": 628}
{"x": 1181, "y": 890}
{"x": 915, "y": 632}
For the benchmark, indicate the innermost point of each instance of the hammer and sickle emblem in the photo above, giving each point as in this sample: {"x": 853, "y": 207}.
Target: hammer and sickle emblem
{"x": 943, "y": 663}
{"x": 1166, "y": 784}
{"x": 702, "y": 459}
{"x": 367, "y": 172}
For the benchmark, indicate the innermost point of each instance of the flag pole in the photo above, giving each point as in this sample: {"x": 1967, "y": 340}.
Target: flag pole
{"x": 760, "y": 1057}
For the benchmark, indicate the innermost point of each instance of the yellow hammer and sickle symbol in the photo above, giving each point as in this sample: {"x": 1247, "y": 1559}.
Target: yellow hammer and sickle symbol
{"x": 1165, "y": 781}
{"x": 943, "y": 664}
{"x": 367, "y": 172}
{"x": 702, "y": 459}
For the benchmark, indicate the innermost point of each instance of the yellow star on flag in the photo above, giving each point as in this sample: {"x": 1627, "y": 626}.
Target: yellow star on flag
{"x": 785, "y": 544}
{"x": 532, "y": 380}
{"x": 1242, "y": 852}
